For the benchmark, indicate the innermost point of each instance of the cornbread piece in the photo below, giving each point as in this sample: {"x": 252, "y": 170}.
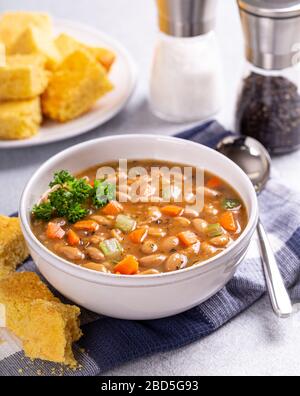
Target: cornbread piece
{"x": 13, "y": 249}
{"x": 67, "y": 44}
{"x": 20, "y": 119}
{"x": 12, "y": 24}
{"x": 36, "y": 41}
{"x": 74, "y": 87}
{"x": 2, "y": 55}
{"x": 23, "y": 77}
{"x": 46, "y": 327}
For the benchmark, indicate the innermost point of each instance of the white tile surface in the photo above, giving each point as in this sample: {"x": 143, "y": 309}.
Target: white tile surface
{"x": 256, "y": 343}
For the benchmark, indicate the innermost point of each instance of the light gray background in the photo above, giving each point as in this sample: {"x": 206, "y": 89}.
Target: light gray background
{"x": 256, "y": 343}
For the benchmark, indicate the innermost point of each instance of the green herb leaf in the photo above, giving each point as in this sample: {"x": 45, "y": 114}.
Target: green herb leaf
{"x": 76, "y": 213}
{"x": 103, "y": 193}
{"x": 73, "y": 196}
{"x": 80, "y": 190}
{"x": 44, "y": 211}
{"x": 230, "y": 204}
{"x": 61, "y": 178}
{"x": 62, "y": 201}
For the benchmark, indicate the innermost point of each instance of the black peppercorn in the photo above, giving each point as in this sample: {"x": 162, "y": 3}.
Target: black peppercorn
{"x": 269, "y": 110}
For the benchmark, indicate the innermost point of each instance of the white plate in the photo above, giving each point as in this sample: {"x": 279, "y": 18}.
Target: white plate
{"x": 123, "y": 75}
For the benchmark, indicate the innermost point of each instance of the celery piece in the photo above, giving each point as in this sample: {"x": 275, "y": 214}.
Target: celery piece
{"x": 125, "y": 223}
{"x": 214, "y": 230}
{"x": 111, "y": 248}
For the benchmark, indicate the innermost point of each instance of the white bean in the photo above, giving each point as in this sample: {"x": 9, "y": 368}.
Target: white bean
{"x": 149, "y": 247}
{"x": 181, "y": 221}
{"x": 96, "y": 267}
{"x": 208, "y": 249}
{"x": 95, "y": 254}
{"x": 169, "y": 243}
{"x": 200, "y": 226}
{"x": 154, "y": 213}
{"x": 71, "y": 253}
{"x": 156, "y": 232}
{"x": 96, "y": 239}
{"x": 190, "y": 213}
{"x": 176, "y": 262}
{"x": 153, "y": 261}
{"x": 220, "y": 241}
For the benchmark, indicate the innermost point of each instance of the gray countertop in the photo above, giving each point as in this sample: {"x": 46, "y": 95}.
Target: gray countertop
{"x": 255, "y": 343}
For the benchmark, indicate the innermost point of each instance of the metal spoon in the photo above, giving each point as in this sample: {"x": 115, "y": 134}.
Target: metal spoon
{"x": 255, "y": 161}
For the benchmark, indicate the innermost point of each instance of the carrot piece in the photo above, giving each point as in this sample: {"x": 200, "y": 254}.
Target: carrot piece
{"x": 92, "y": 183}
{"x": 128, "y": 266}
{"x": 228, "y": 222}
{"x": 113, "y": 208}
{"x": 54, "y": 231}
{"x": 187, "y": 238}
{"x": 87, "y": 225}
{"x": 138, "y": 235}
{"x": 73, "y": 238}
{"x": 214, "y": 182}
{"x": 172, "y": 211}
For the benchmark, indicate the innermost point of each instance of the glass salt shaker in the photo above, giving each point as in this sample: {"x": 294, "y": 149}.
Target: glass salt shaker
{"x": 186, "y": 82}
{"x": 268, "y": 107}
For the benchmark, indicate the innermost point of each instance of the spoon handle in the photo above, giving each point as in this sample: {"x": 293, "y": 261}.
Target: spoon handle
{"x": 280, "y": 299}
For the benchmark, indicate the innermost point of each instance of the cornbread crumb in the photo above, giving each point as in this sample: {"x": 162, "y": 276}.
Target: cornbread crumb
{"x": 67, "y": 44}
{"x": 23, "y": 77}
{"x": 74, "y": 87}
{"x": 19, "y": 120}
{"x": 12, "y": 24}
{"x": 13, "y": 248}
{"x": 2, "y": 55}
{"x": 36, "y": 41}
{"x": 46, "y": 327}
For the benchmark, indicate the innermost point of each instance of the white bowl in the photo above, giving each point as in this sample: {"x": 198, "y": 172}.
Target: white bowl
{"x": 139, "y": 297}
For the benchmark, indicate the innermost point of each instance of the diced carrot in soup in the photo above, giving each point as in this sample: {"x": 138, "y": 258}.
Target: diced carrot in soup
{"x": 172, "y": 210}
{"x": 54, "y": 231}
{"x": 112, "y": 209}
{"x": 128, "y": 266}
{"x": 73, "y": 238}
{"x": 87, "y": 225}
{"x": 187, "y": 238}
{"x": 139, "y": 235}
{"x": 214, "y": 182}
{"x": 228, "y": 222}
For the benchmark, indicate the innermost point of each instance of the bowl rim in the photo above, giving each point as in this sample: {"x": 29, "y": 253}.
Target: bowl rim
{"x": 70, "y": 268}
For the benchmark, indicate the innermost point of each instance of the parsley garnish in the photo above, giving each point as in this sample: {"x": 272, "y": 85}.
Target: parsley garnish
{"x": 61, "y": 178}
{"x": 43, "y": 211}
{"x": 72, "y": 197}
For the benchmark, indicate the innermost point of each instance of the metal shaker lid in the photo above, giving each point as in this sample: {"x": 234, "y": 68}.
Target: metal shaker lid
{"x": 186, "y": 18}
{"x": 272, "y": 8}
{"x": 272, "y": 32}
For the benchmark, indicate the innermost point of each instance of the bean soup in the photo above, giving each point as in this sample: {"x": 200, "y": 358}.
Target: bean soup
{"x": 90, "y": 221}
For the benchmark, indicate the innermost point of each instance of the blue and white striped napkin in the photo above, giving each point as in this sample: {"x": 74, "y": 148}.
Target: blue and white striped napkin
{"x": 108, "y": 343}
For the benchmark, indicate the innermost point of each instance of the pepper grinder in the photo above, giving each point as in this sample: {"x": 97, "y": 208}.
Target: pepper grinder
{"x": 186, "y": 81}
{"x": 269, "y": 102}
